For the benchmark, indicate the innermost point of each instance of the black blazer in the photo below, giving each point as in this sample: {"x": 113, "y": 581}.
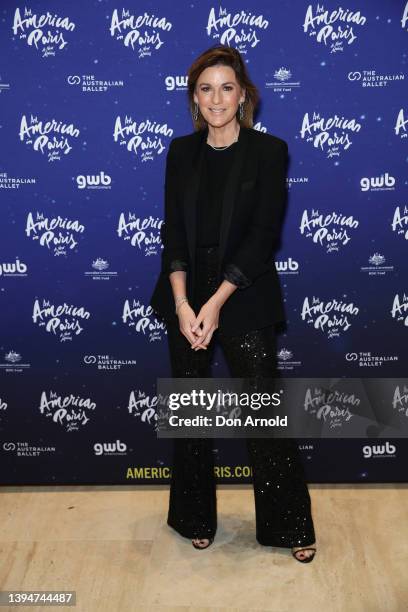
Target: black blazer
{"x": 252, "y": 212}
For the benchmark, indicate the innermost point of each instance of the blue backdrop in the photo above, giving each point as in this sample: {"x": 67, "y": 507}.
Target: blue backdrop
{"x": 91, "y": 93}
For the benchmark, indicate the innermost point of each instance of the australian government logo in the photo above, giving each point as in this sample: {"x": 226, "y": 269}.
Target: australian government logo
{"x": 286, "y": 360}
{"x": 100, "y": 270}
{"x": 282, "y": 82}
{"x": 376, "y": 266}
{"x": 330, "y": 316}
{"x": 333, "y": 28}
{"x": 45, "y": 32}
{"x": 144, "y": 33}
{"x": 13, "y": 363}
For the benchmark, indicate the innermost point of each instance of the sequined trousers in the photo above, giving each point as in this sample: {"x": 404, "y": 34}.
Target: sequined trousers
{"x": 282, "y": 501}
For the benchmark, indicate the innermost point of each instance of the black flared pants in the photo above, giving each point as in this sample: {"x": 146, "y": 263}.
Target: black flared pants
{"x": 282, "y": 501}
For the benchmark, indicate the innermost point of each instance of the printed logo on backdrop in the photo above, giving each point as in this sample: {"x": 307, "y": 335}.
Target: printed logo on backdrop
{"x": 375, "y": 451}
{"x": 143, "y": 138}
{"x": 142, "y": 319}
{"x": 69, "y": 411}
{"x": 62, "y": 320}
{"x": 11, "y": 182}
{"x": 401, "y": 124}
{"x": 27, "y": 449}
{"x": 94, "y": 181}
{"x": 333, "y": 28}
{"x": 52, "y": 138}
{"x": 331, "y": 134}
{"x": 376, "y": 266}
{"x": 293, "y": 180}
{"x": 400, "y": 399}
{"x": 399, "y": 222}
{"x": 385, "y": 182}
{"x": 332, "y": 230}
{"x": 286, "y": 361}
{"x": 142, "y": 33}
{"x": 141, "y": 232}
{"x": 240, "y": 29}
{"x": 333, "y": 408}
{"x": 287, "y": 266}
{"x": 56, "y": 233}
{"x": 12, "y": 363}
{"x": 90, "y": 84}
{"x": 4, "y": 86}
{"x": 146, "y": 407}
{"x": 331, "y": 316}
{"x": 259, "y": 127}
{"x": 46, "y": 32}
{"x": 404, "y": 18}
{"x": 110, "y": 448}
{"x": 370, "y": 78}
{"x": 176, "y": 82}
{"x": 15, "y": 269}
{"x": 368, "y": 360}
{"x": 399, "y": 310}
{"x": 283, "y": 81}
{"x": 106, "y": 362}
{"x": 100, "y": 270}
{"x": 3, "y": 408}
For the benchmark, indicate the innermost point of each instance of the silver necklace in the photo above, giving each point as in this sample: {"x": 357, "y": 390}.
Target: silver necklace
{"x": 226, "y": 146}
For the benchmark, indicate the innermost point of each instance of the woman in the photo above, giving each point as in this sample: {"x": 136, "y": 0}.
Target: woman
{"x": 225, "y": 191}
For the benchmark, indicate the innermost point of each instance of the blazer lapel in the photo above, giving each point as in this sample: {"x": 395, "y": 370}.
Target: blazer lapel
{"x": 231, "y": 186}
{"x": 191, "y": 191}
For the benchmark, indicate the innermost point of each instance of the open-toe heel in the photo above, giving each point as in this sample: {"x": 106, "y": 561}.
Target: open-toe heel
{"x": 210, "y": 541}
{"x": 306, "y": 559}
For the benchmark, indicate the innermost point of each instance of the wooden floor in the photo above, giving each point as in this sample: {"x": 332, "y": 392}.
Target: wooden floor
{"x": 112, "y": 546}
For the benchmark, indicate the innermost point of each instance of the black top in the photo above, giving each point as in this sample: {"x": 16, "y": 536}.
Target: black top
{"x": 217, "y": 164}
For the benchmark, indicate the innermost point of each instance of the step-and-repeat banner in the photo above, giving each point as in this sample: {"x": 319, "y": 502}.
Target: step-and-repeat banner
{"x": 91, "y": 94}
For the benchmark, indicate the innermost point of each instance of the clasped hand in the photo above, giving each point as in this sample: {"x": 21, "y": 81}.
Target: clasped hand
{"x": 190, "y": 324}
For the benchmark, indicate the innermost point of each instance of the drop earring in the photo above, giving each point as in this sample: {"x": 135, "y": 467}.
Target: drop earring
{"x": 241, "y": 111}
{"x": 195, "y": 111}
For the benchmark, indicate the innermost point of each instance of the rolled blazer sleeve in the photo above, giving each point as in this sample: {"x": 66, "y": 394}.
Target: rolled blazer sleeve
{"x": 174, "y": 255}
{"x": 253, "y": 257}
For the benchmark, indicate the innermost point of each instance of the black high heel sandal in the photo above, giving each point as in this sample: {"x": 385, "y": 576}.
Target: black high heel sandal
{"x": 210, "y": 541}
{"x": 306, "y": 559}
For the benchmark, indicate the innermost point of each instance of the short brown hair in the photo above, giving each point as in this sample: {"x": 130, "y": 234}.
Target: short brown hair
{"x": 226, "y": 56}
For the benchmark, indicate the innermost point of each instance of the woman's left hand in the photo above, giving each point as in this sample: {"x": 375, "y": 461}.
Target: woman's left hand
{"x": 209, "y": 317}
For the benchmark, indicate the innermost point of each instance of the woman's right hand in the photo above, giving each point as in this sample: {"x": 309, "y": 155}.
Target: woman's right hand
{"x": 187, "y": 319}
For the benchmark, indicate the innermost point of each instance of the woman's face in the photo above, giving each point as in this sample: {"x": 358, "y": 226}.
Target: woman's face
{"x": 218, "y": 95}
